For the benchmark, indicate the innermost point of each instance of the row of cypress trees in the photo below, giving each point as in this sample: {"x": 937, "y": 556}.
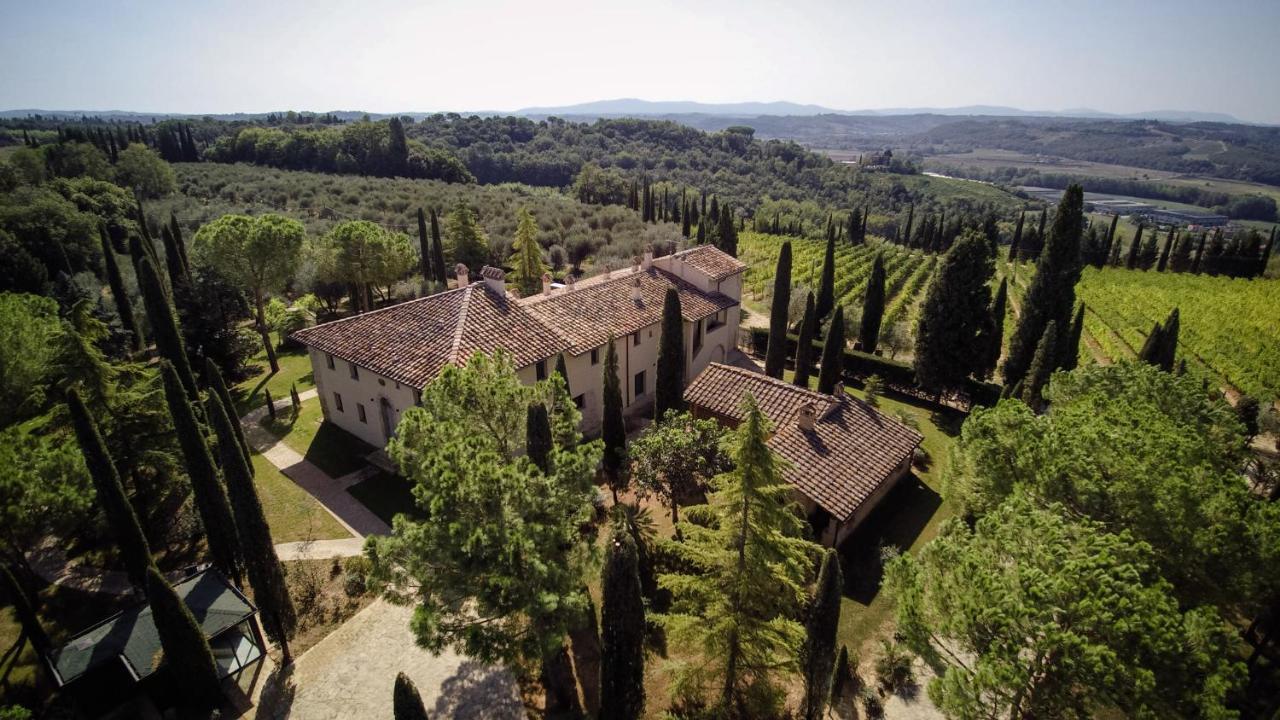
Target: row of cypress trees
{"x": 225, "y": 497}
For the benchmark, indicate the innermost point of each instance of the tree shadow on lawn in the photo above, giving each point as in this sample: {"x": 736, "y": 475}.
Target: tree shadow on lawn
{"x": 897, "y": 522}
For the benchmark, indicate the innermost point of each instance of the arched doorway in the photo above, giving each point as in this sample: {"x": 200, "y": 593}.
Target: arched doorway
{"x": 717, "y": 354}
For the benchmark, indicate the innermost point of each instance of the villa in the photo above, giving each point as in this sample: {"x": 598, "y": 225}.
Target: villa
{"x": 370, "y": 368}
{"x": 843, "y": 455}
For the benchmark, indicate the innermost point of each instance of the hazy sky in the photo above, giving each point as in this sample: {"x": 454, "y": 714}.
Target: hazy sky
{"x": 395, "y": 55}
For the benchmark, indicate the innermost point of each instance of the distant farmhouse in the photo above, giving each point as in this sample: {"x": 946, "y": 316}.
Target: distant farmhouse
{"x": 370, "y": 368}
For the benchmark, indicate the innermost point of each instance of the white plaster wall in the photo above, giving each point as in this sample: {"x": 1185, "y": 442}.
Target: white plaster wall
{"x": 367, "y": 390}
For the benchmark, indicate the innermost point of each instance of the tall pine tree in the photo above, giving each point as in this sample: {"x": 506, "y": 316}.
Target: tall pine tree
{"x": 832, "y": 366}
{"x": 164, "y": 326}
{"x": 775, "y": 358}
{"x": 187, "y": 657}
{"x": 613, "y": 430}
{"x": 134, "y": 549}
{"x": 262, "y": 565}
{"x": 818, "y": 654}
{"x": 622, "y": 630}
{"x": 1051, "y": 296}
{"x": 1041, "y": 367}
{"x": 804, "y": 346}
{"x": 669, "y": 383}
{"x": 955, "y": 312}
{"x": 210, "y": 497}
{"x": 872, "y": 307}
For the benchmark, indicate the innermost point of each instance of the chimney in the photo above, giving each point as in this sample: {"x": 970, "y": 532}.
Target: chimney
{"x": 495, "y": 278}
{"x": 635, "y": 264}
{"x": 636, "y": 295}
{"x": 648, "y": 258}
{"x": 570, "y": 282}
{"x": 546, "y": 283}
{"x": 461, "y": 271}
{"x": 838, "y": 391}
{"x": 808, "y": 414}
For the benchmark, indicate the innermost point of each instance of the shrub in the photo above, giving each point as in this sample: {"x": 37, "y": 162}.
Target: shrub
{"x": 893, "y": 667}
{"x": 872, "y": 706}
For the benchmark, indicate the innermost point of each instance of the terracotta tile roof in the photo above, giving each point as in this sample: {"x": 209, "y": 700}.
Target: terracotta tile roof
{"x": 852, "y": 449}
{"x": 602, "y": 306}
{"x": 413, "y": 341}
{"x": 712, "y": 261}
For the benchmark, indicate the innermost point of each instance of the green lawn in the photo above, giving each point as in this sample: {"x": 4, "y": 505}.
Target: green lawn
{"x": 291, "y": 512}
{"x": 908, "y": 518}
{"x": 328, "y": 446}
{"x": 385, "y": 494}
{"x": 295, "y": 367}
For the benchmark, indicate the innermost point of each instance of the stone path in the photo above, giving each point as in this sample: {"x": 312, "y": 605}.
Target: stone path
{"x": 50, "y": 562}
{"x": 351, "y": 672}
{"x": 329, "y": 492}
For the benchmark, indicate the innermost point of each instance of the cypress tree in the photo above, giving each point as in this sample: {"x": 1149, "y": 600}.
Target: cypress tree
{"x": 164, "y": 326}
{"x": 134, "y": 549}
{"x": 1168, "y": 248}
{"x": 818, "y": 654}
{"x": 1199, "y": 261}
{"x": 613, "y": 431}
{"x": 684, "y": 218}
{"x": 775, "y": 358}
{"x": 1113, "y": 254}
{"x": 186, "y": 649}
{"x": 702, "y": 230}
{"x": 1266, "y": 253}
{"x": 175, "y": 231}
{"x": 727, "y": 239}
{"x": 804, "y": 346}
{"x": 841, "y": 676}
{"x": 1069, "y": 357}
{"x": 1131, "y": 261}
{"x": 955, "y": 312}
{"x": 1167, "y": 352}
{"x": 270, "y": 404}
{"x": 294, "y": 399}
{"x": 213, "y": 377}
{"x": 210, "y": 497}
{"x": 173, "y": 261}
{"x": 911, "y": 216}
{"x": 872, "y": 307}
{"x": 622, "y": 631}
{"x": 1149, "y": 252}
{"x": 437, "y": 251}
{"x": 124, "y": 306}
{"x": 563, "y": 372}
{"x": 1051, "y": 296}
{"x": 832, "y": 354}
{"x": 1180, "y": 259}
{"x": 862, "y": 233}
{"x": 1044, "y": 213}
{"x": 1018, "y": 237}
{"x": 855, "y": 223}
{"x": 669, "y": 386}
{"x": 826, "y": 286}
{"x": 1041, "y": 367}
{"x": 23, "y": 610}
{"x": 538, "y": 436}
{"x": 993, "y": 331}
{"x": 406, "y": 702}
{"x": 424, "y": 247}
{"x": 1150, "y": 352}
{"x": 266, "y": 577}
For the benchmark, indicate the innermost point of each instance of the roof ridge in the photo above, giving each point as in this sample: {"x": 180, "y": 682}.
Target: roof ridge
{"x": 776, "y": 381}
{"x": 461, "y": 325}
{"x": 396, "y": 306}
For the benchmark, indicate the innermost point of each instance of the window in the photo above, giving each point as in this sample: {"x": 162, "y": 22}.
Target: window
{"x": 382, "y": 382}
{"x": 595, "y": 356}
{"x": 355, "y": 371}
{"x": 328, "y": 360}
{"x": 639, "y": 384}
{"x": 697, "y": 337}
{"x": 360, "y": 412}
{"x": 337, "y": 401}
{"x": 718, "y": 320}
{"x": 635, "y": 340}
{"x": 540, "y": 370}
{"x": 580, "y": 401}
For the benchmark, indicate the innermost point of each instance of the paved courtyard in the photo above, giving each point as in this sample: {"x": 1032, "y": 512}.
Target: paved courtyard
{"x": 350, "y": 674}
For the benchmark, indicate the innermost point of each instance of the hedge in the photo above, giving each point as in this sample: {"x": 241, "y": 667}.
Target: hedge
{"x": 859, "y": 365}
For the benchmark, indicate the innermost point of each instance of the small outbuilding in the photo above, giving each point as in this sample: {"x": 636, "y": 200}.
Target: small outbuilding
{"x": 843, "y": 455}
